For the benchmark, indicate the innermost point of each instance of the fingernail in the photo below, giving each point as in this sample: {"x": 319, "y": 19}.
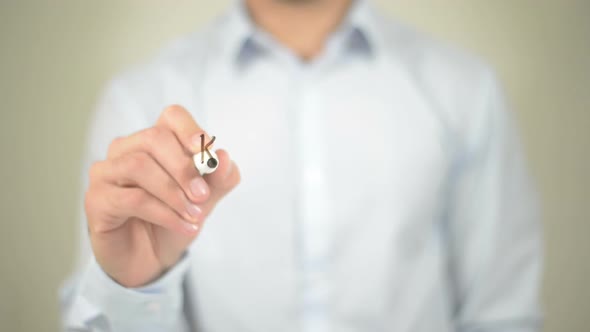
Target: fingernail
{"x": 199, "y": 187}
{"x": 193, "y": 211}
{"x": 190, "y": 227}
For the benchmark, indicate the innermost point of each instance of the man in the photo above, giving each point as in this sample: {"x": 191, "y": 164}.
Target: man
{"x": 380, "y": 185}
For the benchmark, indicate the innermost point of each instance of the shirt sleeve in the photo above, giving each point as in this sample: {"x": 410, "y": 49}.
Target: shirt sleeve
{"x": 98, "y": 303}
{"x": 90, "y": 299}
{"x": 494, "y": 227}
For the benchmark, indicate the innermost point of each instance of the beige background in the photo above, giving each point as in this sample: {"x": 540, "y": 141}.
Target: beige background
{"x": 54, "y": 58}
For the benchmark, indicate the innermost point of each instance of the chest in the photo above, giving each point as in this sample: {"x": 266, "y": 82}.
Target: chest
{"x": 344, "y": 166}
{"x": 359, "y": 135}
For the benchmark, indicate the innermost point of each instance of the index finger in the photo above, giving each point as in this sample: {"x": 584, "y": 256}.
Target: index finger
{"x": 187, "y": 130}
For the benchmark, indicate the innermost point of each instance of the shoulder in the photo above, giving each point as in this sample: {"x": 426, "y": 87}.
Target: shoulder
{"x": 428, "y": 57}
{"x": 457, "y": 84}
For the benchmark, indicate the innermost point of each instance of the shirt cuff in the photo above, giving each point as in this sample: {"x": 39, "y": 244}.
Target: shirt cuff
{"x": 157, "y": 304}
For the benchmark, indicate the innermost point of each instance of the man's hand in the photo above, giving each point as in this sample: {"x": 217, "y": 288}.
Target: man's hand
{"x": 146, "y": 202}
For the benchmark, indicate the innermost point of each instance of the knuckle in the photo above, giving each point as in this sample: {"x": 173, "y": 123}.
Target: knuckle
{"x": 89, "y": 201}
{"x": 95, "y": 216}
{"x": 135, "y": 163}
{"x": 170, "y": 186}
{"x": 178, "y": 200}
{"x": 172, "y": 194}
{"x": 115, "y": 145}
{"x": 167, "y": 217}
{"x": 95, "y": 170}
{"x": 98, "y": 225}
{"x": 152, "y": 134}
{"x": 155, "y": 136}
{"x": 172, "y": 112}
{"x": 93, "y": 227}
{"x": 132, "y": 198}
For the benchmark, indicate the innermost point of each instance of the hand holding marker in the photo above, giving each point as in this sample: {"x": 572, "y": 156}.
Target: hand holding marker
{"x": 148, "y": 199}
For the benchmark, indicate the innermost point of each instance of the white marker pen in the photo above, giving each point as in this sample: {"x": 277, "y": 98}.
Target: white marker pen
{"x": 206, "y": 161}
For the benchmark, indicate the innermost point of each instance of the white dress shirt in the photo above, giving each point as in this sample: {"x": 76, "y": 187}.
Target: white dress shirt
{"x": 383, "y": 189}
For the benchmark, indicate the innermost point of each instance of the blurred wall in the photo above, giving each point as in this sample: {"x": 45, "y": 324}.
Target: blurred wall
{"x": 56, "y": 55}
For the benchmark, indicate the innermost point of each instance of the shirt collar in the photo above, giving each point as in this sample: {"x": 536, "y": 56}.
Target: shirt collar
{"x": 241, "y": 37}
{"x": 361, "y": 21}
